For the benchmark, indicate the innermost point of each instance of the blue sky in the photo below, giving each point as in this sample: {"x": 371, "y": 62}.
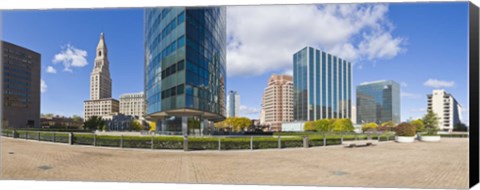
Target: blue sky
{"x": 420, "y": 45}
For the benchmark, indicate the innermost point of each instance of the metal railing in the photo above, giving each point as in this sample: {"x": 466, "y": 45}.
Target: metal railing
{"x": 227, "y": 142}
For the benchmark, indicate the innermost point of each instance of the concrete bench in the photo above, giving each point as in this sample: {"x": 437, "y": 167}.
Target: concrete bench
{"x": 357, "y": 143}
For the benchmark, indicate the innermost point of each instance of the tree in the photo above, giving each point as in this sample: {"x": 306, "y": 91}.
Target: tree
{"x": 369, "y": 126}
{"x": 135, "y": 125}
{"x": 430, "y": 119}
{"x": 242, "y": 123}
{"x": 388, "y": 124}
{"x": 93, "y": 123}
{"x": 309, "y": 126}
{"x": 238, "y": 123}
{"x": 405, "y": 129}
{"x": 460, "y": 127}
{"x": 152, "y": 125}
{"x": 220, "y": 125}
{"x": 76, "y": 118}
{"x": 342, "y": 125}
{"x": 418, "y": 124}
{"x": 324, "y": 125}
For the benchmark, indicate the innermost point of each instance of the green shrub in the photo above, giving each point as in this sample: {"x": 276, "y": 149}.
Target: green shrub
{"x": 405, "y": 129}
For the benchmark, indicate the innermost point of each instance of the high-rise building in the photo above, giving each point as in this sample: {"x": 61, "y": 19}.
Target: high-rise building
{"x": 277, "y": 102}
{"x": 21, "y": 86}
{"x": 321, "y": 85}
{"x": 378, "y": 101}
{"x": 101, "y": 102}
{"x": 447, "y": 109}
{"x": 132, "y": 104}
{"x": 233, "y": 104}
{"x": 185, "y": 67}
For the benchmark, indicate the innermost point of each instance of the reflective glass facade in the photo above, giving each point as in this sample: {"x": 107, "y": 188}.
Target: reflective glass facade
{"x": 185, "y": 53}
{"x": 321, "y": 85}
{"x": 378, "y": 102}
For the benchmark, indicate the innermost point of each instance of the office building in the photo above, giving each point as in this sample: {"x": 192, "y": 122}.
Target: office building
{"x": 101, "y": 102}
{"x": 233, "y": 104}
{"x": 278, "y": 101}
{"x": 378, "y": 101}
{"x": 321, "y": 85}
{"x": 185, "y": 67}
{"x": 448, "y": 110}
{"x": 21, "y": 86}
{"x": 132, "y": 104}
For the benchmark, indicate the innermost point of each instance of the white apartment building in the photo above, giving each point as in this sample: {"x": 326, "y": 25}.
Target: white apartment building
{"x": 132, "y": 104}
{"x": 447, "y": 109}
{"x": 277, "y": 102}
{"x": 101, "y": 102}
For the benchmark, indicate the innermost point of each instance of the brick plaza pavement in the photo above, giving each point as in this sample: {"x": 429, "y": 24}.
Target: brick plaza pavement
{"x": 418, "y": 165}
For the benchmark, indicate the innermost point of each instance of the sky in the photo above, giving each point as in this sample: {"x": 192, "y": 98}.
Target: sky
{"x": 422, "y": 46}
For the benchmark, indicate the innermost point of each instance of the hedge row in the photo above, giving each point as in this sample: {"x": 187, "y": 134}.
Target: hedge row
{"x": 194, "y": 143}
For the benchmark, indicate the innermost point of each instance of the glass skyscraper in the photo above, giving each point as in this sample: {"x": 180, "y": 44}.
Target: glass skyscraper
{"x": 321, "y": 85}
{"x": 233, "y": 104}
{"x": 185, "y": 67}
{"x": 378, "y": 102}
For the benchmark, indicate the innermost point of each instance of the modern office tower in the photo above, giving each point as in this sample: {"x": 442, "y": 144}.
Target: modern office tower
{"x": 185, "y": 67}
{"x": 101, "y": 102}
{"x": 378, "y": 101}
{"x": 278, "y": 101}
{"x": 21, "y": 86}
{"x": 132, "y": 104}
{"x": 233, "y": 104}
{"x": 321, "y": 85}
{"x": 447, "y": 109}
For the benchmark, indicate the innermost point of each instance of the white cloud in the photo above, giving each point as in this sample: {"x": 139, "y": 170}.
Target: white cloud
{"x": 71, "y": 57}
{"x": 264, "y": 38}
{"x": 245, "y": 110}
{"x": 43, "y": 86}
{"x": 409, "y": 95}
{"x": 50, "y": 69}
{"x": 403, "y": 84}
{"x": 434, "y": 83}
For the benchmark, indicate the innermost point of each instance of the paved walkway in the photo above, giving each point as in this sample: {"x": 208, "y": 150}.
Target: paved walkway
{"x": 417, "y": 165}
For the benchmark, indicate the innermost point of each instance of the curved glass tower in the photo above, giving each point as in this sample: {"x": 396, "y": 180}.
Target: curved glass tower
{"x": 185, "y": 68}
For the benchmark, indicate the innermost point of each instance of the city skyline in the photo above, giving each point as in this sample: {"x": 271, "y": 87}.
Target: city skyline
{"x": 410, "y": 47}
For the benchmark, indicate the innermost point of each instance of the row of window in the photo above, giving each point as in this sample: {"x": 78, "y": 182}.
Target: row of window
{"x": 161, "y": 16}
{"x": 168, "y": 29}
{"x": 176, "y": 90}
{"x": 172, "y": 47}
{"x": 179, "y": 66}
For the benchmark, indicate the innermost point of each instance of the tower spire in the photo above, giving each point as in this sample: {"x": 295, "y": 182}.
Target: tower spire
{"x": 101, "y": 43}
